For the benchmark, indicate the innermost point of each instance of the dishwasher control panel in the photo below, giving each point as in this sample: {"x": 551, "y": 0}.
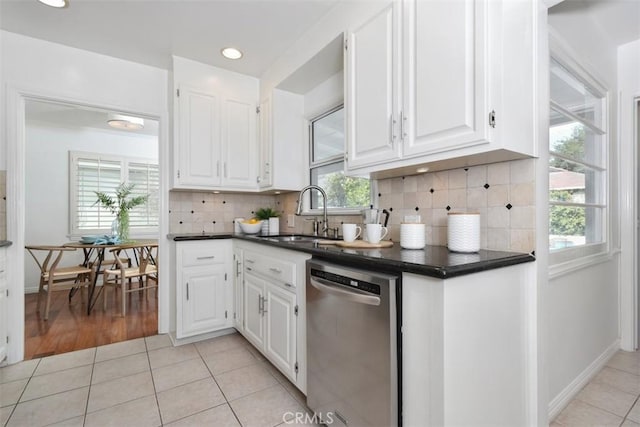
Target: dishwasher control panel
{"x": 346, "y": 281}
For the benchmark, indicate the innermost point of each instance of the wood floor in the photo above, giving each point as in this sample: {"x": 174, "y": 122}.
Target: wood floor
{"x": 69, "y": 328}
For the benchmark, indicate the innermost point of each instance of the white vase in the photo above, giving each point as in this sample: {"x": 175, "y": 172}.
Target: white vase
{"x": 264, "y": 229}
{"x": 274, "y": 226}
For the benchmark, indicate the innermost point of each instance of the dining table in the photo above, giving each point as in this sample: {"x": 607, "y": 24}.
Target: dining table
{"x": 94, "y": 255}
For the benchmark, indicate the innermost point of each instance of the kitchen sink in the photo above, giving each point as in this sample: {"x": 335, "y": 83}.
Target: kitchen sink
{"x": 291, "y": 238}
{"x": 295, "y": 238}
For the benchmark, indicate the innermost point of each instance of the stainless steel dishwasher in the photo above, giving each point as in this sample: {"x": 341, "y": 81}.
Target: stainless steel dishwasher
{"x": 352, "y": 345}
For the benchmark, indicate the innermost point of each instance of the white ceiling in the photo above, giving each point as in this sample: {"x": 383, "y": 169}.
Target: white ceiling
{"x": 619, "y": 19}
{"x": 74, "y": 117}
{"x": 150, "y": 31}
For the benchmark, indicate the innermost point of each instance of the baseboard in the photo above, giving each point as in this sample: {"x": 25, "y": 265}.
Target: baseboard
{"x": 565, "y": 396}
{"x": 190, "y": 340}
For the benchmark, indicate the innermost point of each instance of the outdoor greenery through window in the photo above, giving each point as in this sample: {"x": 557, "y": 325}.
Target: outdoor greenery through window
{"x": 577, "y": 160}
{"x": 91, "y": 172}
{"x": 327, "y": 142}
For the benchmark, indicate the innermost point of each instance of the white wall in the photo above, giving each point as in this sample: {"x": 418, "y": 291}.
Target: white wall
{"x": 325, "y": 96}
{"x": 35, "y": 68}
{"x": 47, "y": 179}
{"x": 343, "y": 16}
{"x": 629, "y": 92}
{"x": 582, "y": 302}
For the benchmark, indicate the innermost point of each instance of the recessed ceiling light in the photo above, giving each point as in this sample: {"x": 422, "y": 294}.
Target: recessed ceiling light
{"x": 55, "y": 3}
{"x": 231, "y": 53}
{"x": 120, "y": 121}
{"x": 422, "y": 170}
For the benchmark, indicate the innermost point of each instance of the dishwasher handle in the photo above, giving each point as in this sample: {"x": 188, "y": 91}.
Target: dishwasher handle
{"x": 352, "y": 295}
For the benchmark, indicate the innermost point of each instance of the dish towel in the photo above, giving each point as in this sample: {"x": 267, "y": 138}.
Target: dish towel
{"x": 107, "y": 240}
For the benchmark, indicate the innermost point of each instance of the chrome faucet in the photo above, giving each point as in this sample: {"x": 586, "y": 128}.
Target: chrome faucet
{"x": 325, "y": 222}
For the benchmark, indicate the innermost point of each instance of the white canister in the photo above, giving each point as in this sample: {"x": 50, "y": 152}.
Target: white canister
{"x": 236, "y": 225}
{"x": 274, "y": 226}
{"x": 463, "y": 232}
{"x": 412, "y": 236}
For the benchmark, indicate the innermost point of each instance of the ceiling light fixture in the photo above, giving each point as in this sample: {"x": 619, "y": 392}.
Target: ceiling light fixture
{"x": 231, "y": 53}
{"x": 422, "y": 170}
{"x": 55, "y": 3}
{"x": 120, "y": 121}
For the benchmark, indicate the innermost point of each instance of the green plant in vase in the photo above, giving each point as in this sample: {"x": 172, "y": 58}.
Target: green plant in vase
{"x": 266, "y": 213}
{"x": 263, "y": 214}
{"x": 120, "y": 206}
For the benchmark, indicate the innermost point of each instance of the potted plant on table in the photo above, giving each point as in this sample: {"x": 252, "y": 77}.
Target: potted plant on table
{"x": 120, "y": 207}
{"x": 265, "y": 215}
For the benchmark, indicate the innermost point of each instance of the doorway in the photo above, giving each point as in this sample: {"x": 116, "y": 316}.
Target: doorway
{"x": 56, "y": 135}
{"x": 636, "y": 274}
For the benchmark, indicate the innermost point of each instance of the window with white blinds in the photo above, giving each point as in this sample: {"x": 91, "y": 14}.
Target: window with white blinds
{"x": 91, "y": 172}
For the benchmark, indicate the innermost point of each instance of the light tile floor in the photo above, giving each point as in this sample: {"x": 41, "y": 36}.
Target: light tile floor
{"x": 610, "y": 399}
{"x": 221, "y": 382}
{"x": 147, "y": 382}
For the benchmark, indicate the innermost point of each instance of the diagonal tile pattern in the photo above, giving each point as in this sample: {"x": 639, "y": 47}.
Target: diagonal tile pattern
{"x": 223, "y": 381}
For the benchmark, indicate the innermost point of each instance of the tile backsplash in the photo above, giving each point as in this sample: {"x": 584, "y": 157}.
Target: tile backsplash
{"x": 503, "y": 194}
{"x": 196, "y": 212}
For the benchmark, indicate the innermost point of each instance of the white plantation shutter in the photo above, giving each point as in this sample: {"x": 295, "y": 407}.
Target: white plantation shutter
{"x": 91, "y": 172}
{"x": 146, "y": 178}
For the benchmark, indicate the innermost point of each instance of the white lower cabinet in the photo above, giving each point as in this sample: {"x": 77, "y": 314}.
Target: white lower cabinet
{"x": 238, "y": 302}
{"x": 253, "y": 315}
{"x": 204, "y": 292}
{"x": 3, "y": 306}
{"x": 270, "y": 322}
{"x": 273, "y": 310}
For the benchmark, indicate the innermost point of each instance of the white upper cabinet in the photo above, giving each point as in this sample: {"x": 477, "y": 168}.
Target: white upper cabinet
{"x": 445, "y": 75}
{"x": 239, "y": 168}
{"x": 198, "y": 146}
{"x": 265, "y": 139}
{"x": 283, "y": 165}
{"x": 373, "y": 89}
{"x": 441, "y": 81}
{"x": 215, "y": 141}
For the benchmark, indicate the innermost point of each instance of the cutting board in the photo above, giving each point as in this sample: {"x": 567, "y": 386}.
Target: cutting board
{"x": 357, "y": 244}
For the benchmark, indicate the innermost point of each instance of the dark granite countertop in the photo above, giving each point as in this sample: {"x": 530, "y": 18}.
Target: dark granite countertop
{"x": 199, "y": 236}
{"x": 5, "y": 243}
{"x": 434, "y": 261}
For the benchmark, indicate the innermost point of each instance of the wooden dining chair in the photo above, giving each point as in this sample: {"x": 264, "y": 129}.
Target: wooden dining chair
{"x": 53, "y": 276}
{"x": 121, "y": 277}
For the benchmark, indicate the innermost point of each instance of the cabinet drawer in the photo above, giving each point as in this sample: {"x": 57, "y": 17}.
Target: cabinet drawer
{"x": 281, "y": 271}
{"x": 203, "y": 255}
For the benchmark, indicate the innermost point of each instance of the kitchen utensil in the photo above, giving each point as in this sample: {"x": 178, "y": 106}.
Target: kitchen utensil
{"x": 463, "y": 232}
{"x": 374, "y": 216}
{"x": 350, "y": 232}
{"x": 376, "y": 232}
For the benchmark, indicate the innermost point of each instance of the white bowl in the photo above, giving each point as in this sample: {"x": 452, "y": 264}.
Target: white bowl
{"x": 248, "y": 228}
